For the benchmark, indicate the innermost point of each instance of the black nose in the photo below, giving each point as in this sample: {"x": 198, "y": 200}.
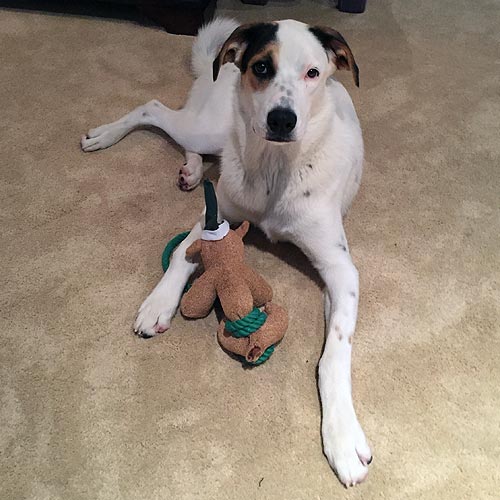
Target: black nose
{"x": 281, "y": 121}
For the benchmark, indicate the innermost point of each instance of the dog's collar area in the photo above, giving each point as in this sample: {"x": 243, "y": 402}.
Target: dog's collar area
{"x": 216, "y": 234}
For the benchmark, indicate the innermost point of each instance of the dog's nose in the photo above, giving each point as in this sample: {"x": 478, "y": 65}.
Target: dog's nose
{"x": 281, "y": 121}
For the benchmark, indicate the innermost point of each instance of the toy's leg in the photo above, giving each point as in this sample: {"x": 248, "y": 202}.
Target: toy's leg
{"x": 199, "y": 299}
{"x": 261, "y": 291}
{"x": 157, "y": 310}
{"x": 344, "y": 442}
{"x": 235, "y": 298}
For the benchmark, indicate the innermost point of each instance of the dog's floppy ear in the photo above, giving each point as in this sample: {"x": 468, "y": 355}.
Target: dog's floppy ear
{"x": 231, "y": 51}
{"x": 252, "y": 36}
{"x": 336, "y": 46}
{"x": 242, "y": 229}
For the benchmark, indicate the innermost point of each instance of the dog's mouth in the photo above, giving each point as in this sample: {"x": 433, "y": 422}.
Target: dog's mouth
{"x": 279, "y": 138}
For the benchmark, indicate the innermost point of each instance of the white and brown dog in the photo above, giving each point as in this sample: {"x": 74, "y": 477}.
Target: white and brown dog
{"x": 292, "y": 157}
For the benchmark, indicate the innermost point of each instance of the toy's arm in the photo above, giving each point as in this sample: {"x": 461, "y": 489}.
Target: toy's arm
{"x": 199, "y": 299}
{"x": 260, "y": 288}
{"x": 193, "y": 249}
{"x": 242, "y": 230}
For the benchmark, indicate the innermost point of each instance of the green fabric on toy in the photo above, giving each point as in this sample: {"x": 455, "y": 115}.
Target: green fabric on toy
{"x": 252, "y": 324}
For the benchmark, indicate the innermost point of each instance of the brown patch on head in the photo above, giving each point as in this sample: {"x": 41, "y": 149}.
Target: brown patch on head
{"x": 337, "y": 49}
{"x": 266, "y": 58}
{"x": 243, "y": 44}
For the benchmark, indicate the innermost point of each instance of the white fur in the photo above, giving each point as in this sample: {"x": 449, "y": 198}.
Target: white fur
{"x": 296, "y": 191}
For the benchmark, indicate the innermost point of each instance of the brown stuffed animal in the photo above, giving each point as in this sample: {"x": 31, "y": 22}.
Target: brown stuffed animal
{"x": 239, "y": 288}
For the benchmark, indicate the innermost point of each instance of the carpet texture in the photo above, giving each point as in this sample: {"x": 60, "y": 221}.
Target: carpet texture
{"x": 89, "y": 411}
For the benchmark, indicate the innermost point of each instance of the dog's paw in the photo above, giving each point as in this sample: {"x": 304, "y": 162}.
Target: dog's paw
{"x": 190, "y": 174}
{"x": 102, "y": 137}
{"x": 154, "y": 315}
{"x": 346, "y": 449}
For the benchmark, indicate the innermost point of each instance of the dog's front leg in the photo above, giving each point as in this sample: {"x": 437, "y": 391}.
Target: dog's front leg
{"x": 158, "y": 309}
{"x": 344, "y": 442}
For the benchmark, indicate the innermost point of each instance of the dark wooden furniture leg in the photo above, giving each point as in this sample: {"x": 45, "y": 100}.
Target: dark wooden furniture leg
{"x": 255, "y": 2}
{"x": 352, "y": 6}
{"x": 178, "y": 20}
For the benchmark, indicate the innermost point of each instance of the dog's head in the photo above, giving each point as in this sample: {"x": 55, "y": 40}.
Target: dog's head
{"x": 284, "y": 68}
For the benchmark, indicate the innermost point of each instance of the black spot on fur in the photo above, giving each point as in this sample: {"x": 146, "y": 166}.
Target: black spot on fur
{"x": 257, "y": 36}
{"x": 343, "y": 247}
{"x": 271, "y": 70}
{"x": 352, "y": 294}
{"x": 285, "y": 102}
{"x": 307, "y": 193}
{"x": 254, "y": 36}
{"x": 309, "y": 166}
{"x": 282, "y": 88}
{"x": 144, "y": 113}
{"x": 288, "y": 92}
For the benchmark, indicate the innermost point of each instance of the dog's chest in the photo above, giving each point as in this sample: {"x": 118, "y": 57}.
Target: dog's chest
{"x": 276, "y": 196}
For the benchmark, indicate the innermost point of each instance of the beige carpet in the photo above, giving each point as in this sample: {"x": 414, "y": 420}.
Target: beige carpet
{"x": 88, "y": 411}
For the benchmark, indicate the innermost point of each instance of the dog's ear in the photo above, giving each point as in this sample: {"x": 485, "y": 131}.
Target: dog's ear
{"x": 337, "y": 49}
{"x": 252, "y": 36}
{"x": 193, "y": 249}
{"x": 242, "y": 229}
{"x": 231, "y": 51}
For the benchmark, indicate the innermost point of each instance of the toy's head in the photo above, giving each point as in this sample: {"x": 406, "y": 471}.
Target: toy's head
{"x": 226, "y": 251}
{"x": 219, "y": 244}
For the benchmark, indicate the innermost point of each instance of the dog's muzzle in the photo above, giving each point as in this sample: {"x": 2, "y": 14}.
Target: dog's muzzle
{"x": 280, "y": 125}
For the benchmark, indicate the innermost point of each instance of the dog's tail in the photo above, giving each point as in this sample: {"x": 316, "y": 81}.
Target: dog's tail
{"x": 209, "y": 42}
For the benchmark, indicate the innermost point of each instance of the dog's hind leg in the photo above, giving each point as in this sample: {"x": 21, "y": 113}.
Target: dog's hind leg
{"x": 195, "y": 132}
{"x": 106, "y": 135}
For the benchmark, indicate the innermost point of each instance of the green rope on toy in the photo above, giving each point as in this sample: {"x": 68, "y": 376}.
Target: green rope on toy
{"x": 169, "y": 249}
{"x": 239, "y": 328}
{"x": 263, "y": 357}
{"x": 247, "y": 325}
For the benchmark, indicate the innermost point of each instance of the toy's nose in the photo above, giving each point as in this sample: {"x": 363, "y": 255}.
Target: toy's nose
{"x": 281, "y": 122}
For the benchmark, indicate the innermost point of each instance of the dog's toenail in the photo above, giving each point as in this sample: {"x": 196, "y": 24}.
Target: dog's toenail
{"x": 145, "y": 335}
{"x": 370, "y": 461}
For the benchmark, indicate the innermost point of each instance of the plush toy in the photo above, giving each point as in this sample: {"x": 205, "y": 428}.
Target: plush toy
{"x": 252, "y": 323}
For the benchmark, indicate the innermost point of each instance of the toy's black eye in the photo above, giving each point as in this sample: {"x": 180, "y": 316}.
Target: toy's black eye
{"x": 313, "y": 73}
{"x": 260, "y": 68}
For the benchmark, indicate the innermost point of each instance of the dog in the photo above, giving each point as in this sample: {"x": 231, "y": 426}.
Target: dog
{"x": 265, "y": 100}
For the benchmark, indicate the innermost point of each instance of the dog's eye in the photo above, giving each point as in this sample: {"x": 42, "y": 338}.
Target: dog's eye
{"x": 260, "y": 68}
{"x": 313, "y": 73}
